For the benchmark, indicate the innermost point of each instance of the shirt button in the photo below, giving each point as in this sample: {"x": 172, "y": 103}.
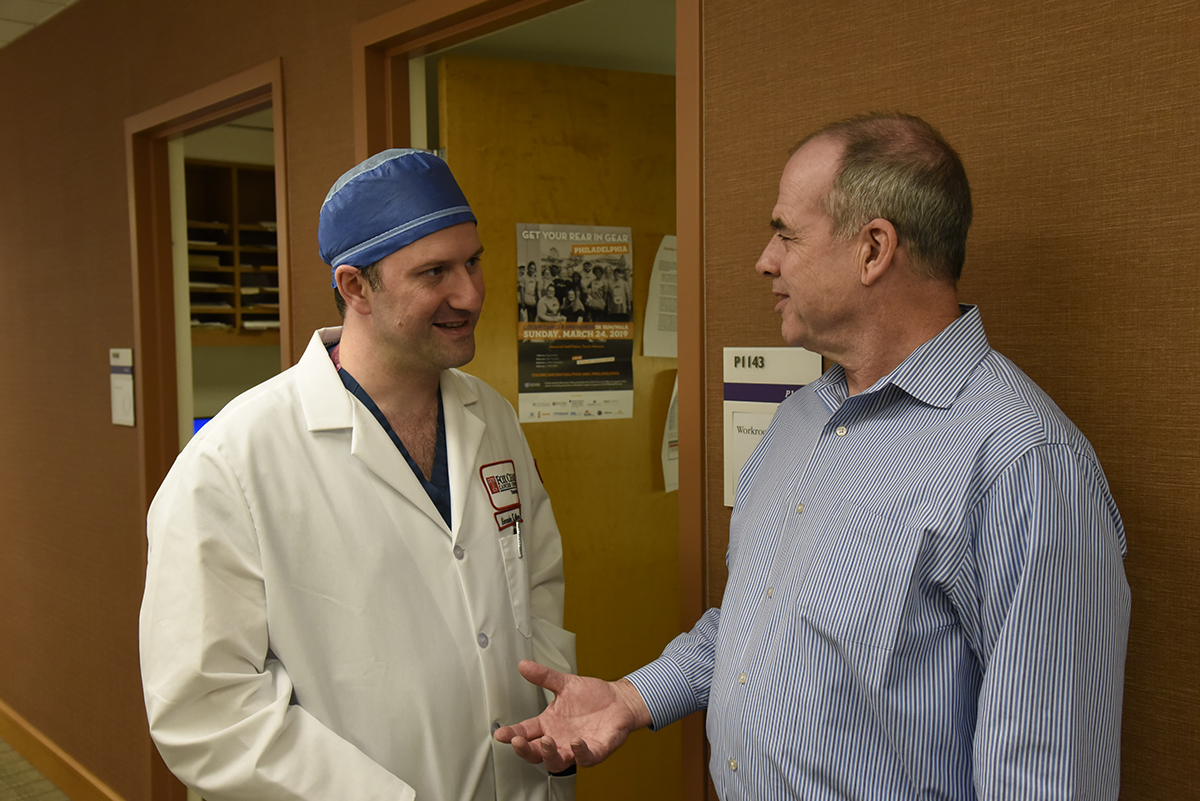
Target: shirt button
{"x": 482, "y": 640}
{"x": 733, "y": 764}
{"x": 799, "y": 508}
{"x": 841, "y": 431}
{"x": 742, "y": 679}
{"x": 770, "y": 592}
{"x": 458, "y": 552}
{"x": 495, "y": 725}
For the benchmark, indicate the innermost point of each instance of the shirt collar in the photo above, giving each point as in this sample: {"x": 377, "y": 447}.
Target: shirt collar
{"x": 934, "y": 373}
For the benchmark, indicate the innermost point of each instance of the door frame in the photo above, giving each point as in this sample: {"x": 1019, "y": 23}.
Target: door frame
{"x": 156, "y": 396}
{"x": 380, "y": 50}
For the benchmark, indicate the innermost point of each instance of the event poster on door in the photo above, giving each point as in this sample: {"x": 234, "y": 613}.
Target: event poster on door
{"x": 575, "y": 322}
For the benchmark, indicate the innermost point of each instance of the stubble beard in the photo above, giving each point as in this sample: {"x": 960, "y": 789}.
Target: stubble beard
{"x": 445, "y": 355}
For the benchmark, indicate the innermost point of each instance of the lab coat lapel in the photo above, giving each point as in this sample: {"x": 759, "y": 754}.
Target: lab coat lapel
{"x": 327, "y": 406}
{"x": 326, "y": 403}
{"x": 464, "y": 433}
{"x": 371, "y": 445}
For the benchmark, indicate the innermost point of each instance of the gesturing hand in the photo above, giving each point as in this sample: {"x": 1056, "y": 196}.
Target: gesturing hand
{"x": 587, "y": 721}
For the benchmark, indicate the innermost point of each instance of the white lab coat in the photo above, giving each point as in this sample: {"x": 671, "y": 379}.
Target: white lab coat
{"x": 312, "y": 629}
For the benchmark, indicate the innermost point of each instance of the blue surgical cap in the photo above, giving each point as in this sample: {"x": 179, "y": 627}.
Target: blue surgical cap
{"x": 390, "y": 200}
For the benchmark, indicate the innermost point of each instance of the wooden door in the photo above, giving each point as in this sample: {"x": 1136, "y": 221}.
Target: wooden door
{"x": 538, "y": 143}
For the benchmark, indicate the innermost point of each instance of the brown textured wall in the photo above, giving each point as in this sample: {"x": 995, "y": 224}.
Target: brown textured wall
{"x": 1077, "y": 122}
{"x": 71, "y": 531}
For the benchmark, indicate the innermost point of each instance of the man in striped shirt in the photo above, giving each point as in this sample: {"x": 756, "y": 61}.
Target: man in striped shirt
{"x": 926, "y": 593}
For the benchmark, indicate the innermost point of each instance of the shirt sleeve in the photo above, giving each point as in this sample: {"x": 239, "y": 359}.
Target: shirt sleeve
{"x": 219, "y": 704}
{"x": 1049, "y": 623}
{"x": 677, "y": 683}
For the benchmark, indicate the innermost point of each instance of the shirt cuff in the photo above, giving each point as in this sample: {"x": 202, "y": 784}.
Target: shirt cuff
{"x": 664, "y": 687}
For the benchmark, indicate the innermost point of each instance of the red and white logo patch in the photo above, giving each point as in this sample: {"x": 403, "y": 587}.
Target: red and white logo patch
{"x": 500, "y": 481}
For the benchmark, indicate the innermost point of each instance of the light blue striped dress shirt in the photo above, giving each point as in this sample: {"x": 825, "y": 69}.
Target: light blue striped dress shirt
{"x": 926, "y": 596}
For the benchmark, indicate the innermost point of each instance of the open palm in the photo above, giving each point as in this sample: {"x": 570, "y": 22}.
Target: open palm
{"x": 588, "y": 719}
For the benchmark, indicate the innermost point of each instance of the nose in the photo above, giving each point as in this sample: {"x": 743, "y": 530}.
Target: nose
{"x": 468, "y": 291}
{"x": 768, "y": 263}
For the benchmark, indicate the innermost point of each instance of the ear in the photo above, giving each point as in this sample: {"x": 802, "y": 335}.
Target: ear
{"x": 878, "y": 243}
{"x": 355, "y": 290}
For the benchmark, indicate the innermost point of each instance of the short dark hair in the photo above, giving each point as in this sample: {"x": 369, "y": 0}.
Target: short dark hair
{"x": 371, "y": 274}
{"x": 899, "y": 168}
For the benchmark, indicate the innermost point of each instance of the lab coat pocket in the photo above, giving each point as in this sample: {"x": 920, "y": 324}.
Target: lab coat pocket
{"x": 518, "y": 581}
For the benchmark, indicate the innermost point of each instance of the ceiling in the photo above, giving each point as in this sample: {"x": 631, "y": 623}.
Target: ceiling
{"x": 18, "y": 17}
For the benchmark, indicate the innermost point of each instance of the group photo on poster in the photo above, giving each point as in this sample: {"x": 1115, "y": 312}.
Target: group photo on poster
{"x": 575, "y": 322}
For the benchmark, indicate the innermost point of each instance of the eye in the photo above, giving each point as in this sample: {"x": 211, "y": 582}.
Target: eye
{"x": 433, "y": 272}
{"x": 779, "y": 229}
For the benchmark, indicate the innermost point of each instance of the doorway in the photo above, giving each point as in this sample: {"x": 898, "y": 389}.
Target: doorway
{"x": 224, "y": 230}
{"x": 148, "y": 138}
{"x": 468, "y": 94}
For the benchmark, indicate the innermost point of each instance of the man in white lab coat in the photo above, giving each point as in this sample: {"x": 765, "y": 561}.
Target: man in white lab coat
{"x": 347, "y": 563}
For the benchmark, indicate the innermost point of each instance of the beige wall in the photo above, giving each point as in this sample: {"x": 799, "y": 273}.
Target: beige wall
{"x": 221, "y": 374}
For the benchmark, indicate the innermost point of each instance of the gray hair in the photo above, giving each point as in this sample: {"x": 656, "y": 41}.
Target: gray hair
{"x": 899, "y": 168}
